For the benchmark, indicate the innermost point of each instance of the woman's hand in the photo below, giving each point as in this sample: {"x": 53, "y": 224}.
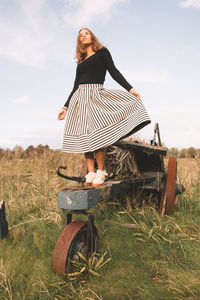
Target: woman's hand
{"x": 62, "y": 114}
{"x": 134, "y": 92}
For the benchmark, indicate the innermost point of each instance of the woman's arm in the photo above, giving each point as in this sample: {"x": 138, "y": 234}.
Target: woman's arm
{"x": 116, "y": 75}
{"x": 114, "y": 72}
{"x": 76, "y": 83}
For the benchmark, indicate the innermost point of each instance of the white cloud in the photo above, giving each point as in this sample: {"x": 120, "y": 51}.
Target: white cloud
{"x": 25, "y": 37}
{"x": 191, "y": 3}
{"x": 80, "y": 13}
{"x": 22, "y": 100}
{"x": 36, "y": 32}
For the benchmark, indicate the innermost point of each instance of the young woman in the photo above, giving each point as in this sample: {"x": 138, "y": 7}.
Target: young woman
{"x": 97, "y": 117}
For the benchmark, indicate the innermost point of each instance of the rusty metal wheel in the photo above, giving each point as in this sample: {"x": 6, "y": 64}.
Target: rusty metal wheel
{"x": 171, "y": 183}
{"x": 169, "y": 189}
{"x": 72, "y": 239}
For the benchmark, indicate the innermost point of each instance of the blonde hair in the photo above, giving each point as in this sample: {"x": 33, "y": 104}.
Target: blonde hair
{"x": 80, "y": 51}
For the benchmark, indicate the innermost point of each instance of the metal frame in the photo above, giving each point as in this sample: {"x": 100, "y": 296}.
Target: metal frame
{"x": 151, "y": 177}
{"x": 91, "y": 230}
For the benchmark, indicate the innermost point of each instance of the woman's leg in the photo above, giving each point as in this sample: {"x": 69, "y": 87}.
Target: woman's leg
{"x": 100, "y": 155}
{"x": 90, "y": 161}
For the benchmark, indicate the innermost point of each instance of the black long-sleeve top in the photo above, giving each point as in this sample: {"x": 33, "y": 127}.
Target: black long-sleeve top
{"x": 93, "y": 70}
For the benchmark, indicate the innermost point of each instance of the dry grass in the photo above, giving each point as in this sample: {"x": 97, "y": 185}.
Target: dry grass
{"x": 188, "y": 171}
{"x": 152, "y": 257}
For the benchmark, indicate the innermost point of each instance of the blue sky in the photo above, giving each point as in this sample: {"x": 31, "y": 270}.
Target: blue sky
{"x": 154, "y": 43}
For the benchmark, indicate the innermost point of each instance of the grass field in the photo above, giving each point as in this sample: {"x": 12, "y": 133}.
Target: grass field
{"x": 152, "y": 257}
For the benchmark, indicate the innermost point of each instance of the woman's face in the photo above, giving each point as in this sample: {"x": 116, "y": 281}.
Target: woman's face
{"x": 85, "y": 37}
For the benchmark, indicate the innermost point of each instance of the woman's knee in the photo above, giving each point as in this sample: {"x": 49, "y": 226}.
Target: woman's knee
{"x": 89, "y": 155}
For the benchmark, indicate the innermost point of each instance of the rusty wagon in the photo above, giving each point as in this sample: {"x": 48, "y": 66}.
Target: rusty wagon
{"x": 150, "y": 177}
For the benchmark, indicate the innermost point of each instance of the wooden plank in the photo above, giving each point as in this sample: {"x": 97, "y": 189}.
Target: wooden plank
{"x": 79, "y": 198}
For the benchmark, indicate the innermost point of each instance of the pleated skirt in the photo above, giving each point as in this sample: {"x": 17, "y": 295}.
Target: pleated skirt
{"x": 98, "y": 117}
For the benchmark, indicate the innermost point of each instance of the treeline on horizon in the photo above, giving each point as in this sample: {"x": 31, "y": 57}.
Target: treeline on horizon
{"x": 36, "y": 152}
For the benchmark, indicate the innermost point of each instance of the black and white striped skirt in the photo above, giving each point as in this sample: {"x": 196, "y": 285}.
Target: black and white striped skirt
{"x": 98, "y": 117}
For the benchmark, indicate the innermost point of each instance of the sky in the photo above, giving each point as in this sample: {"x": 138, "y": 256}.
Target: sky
{"x": 155, "y": 44}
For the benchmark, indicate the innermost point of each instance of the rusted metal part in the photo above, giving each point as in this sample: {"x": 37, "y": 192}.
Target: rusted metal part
{"x": 170, "y": 187}
{"x": 163, "y": 197}
{"x": 77, "y": 178}
{"x": 158, "y": 181}
{"x": 77, "y": 199}
{"x": 62, "y": 247}
{"x": 149, "y": 175}
{"x": 111, "y": 189}
{"x": 171, "y": 183}
{"x": 74, "y": 178}
{"x": 149, "y": 178}
{"x": 77, "y": 236}
{"x": 179, "y": 189}
{"x": 3, "y": 221}
{"x": 141, "y": 147}
{"x": 92, "y": 233}
{"x": 147, "y": 158}
{"x": 156, "y": 131}
{"x": 68, "y": 218}
{"x": 149, "y": 162}
{"x": 82, "y": 199}
{"x": 92, "y": 236}
{"x": 152, "y": 180}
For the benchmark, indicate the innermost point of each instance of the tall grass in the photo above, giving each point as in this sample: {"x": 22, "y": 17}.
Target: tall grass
{"x": 152, "y": 257}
